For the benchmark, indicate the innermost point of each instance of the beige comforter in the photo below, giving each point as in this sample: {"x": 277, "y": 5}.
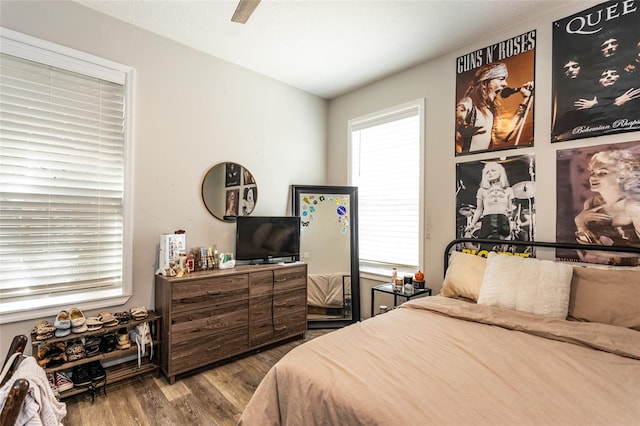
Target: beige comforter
{"x": 431, "y": 362}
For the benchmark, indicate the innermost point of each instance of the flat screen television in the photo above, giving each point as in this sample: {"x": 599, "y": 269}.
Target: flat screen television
{"x": 267, "y": 238}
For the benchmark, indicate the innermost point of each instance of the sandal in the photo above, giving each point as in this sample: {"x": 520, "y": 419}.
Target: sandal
{"x": 43, "y": 330}
{"x": 75, "y": 350}
{"x": 108, "y": 320}
{"x": 93, "y": 324}
{"x": 139, "y": 313}
{"x": 123, "y": 317}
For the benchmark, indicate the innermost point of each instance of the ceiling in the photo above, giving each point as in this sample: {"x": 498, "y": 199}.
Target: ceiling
{"x": 327, "y": 47}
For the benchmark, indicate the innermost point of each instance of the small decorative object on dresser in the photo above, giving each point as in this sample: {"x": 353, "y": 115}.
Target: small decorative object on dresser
{"x": 209, "y": 316}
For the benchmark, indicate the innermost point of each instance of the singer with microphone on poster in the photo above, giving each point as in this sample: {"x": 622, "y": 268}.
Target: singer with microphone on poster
{"x": 482, "y": 123}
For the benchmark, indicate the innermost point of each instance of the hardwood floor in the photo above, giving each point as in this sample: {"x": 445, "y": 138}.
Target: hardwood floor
{"x": 215, "y": 396}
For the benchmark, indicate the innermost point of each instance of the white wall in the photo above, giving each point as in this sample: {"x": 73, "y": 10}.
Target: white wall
{"x": 191, "y": 111}
{"x": 435, "y": 81}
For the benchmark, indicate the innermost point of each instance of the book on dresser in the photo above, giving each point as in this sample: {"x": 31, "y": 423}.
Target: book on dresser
{"x": 210, "y": 316}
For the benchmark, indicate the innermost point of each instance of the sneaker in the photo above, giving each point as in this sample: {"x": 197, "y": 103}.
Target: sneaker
{"x": 96, "y": 371}
{"x": 63, "y": 382}
{"x": 80, "y": 375}
{"x": 52, "y": 383}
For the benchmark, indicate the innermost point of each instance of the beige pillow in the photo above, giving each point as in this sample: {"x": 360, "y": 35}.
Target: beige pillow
{"x": 464, "y": 275}
{"x": 539, "y": 287}
{"x": 608, "y": 296}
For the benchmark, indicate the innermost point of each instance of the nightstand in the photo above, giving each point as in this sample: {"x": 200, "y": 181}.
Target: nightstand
{"x": 388, "y": 288}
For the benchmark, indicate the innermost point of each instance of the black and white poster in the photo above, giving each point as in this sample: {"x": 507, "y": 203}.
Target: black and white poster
{"x": 495, "y": 96}
{"x": 598, "y": 200}
{"x": 495, "y": 199}
{"x": 596, "y": 72}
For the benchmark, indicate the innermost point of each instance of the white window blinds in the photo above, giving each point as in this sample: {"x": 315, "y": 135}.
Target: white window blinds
{"x": 386, "y": 166}
{"x": 62, "y": 183}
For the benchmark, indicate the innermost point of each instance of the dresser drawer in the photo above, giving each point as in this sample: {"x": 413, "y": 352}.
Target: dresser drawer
{"x": 261, "y": 307}
{"x": 196, "y": 325}
{"x": 290, "y": 278}
{"x": 206, "y": 292}
{"x": 277, "y": 280}
{"x": 195, "y": 353}
{"x": 267, "y": 331}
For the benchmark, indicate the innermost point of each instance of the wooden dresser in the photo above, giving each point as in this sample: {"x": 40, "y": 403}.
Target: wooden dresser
{"x": 212, "y": 315}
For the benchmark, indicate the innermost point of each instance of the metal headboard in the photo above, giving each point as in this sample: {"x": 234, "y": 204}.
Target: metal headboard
{"x": 545, "y": 244}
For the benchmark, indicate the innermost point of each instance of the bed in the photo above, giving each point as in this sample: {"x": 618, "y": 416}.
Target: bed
{"x": 504, "y": 347}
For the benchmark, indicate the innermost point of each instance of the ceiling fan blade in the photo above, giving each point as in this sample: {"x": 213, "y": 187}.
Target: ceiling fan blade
{"x": 244, "y": 10}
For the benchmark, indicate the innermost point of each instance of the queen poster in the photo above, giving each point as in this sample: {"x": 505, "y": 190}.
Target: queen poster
{"x": 598, "y": 200}
{"x": 596, "y": 72}
{"x": 494, "y": 96}
{"x": 495, "y": 199}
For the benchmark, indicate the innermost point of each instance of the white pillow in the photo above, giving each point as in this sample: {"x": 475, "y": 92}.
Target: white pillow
{"x": 540, "y": 287}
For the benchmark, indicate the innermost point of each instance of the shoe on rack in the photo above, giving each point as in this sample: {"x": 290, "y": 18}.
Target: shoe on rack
{"x": 80, "y": 329}
{"x": 52, "y": 383}
{"x": 108, "y": 319}
{"x": 62, "y": 332}
{"x": 108, "y": 342}
{"x": 96, "y": 371}
{"x": 63, "y": 382}
{"x": 123, "y": 317}
{"x": 80, "y": 375}
{"x": 43, "y": 330}
{"x": 75, "y": 350}
{"x": 77, "y": 317}
{"x": 91, "y": 346}
{"x": 123, "y": 339}
{"x": 139, "y": 313}
{"x": 93, "y": 323}
{"x": 63, "y": 321}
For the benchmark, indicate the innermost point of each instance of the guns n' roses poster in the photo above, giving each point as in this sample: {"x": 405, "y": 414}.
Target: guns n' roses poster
{"x": 596, "y": 72}
{"x": 494, "y": 96}
{"x": 598, "y": 190}
{"x": 495, "y": 199}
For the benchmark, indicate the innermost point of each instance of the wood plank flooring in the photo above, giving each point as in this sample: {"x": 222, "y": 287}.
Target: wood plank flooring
{"x": 213, "y": 396}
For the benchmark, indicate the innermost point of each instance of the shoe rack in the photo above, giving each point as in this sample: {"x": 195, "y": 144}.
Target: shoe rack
{"x": 117, "y": 372}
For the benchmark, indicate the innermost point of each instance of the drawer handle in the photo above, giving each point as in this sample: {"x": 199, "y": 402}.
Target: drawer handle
{"x": 213, "y": 348}
{"x": 281, "y": 280}
{"x": 284, "y": 327}
{"x": 214, "y": 293}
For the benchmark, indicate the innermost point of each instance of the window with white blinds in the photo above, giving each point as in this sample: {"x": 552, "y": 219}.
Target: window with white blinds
{"x": 386, "y": 166}
{"x": 63, "y": 238}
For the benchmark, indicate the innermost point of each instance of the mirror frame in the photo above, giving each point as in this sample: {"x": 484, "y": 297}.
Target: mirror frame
{"x": 237, "y": 188}
{"x": 296, "y": 192}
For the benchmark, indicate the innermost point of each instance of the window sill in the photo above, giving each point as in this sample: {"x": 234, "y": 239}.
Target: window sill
{"x": 50, "y": 307}
{"x": 382, "y": 274}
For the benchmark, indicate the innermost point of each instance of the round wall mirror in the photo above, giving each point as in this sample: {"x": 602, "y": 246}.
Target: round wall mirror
{"x": 229, "y": 190}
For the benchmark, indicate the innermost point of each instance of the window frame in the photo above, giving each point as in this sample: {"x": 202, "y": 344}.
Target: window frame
{"x": 52, "y": 54}
{"x": 381, "y": 271}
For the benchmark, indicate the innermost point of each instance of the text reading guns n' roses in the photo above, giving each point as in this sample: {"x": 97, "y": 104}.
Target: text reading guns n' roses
{"x": 497, "y": 52}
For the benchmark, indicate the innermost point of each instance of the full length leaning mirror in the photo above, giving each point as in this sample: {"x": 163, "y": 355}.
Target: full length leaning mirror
{"x": 329, "y": 247}
{"x": 229, "y": 190}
